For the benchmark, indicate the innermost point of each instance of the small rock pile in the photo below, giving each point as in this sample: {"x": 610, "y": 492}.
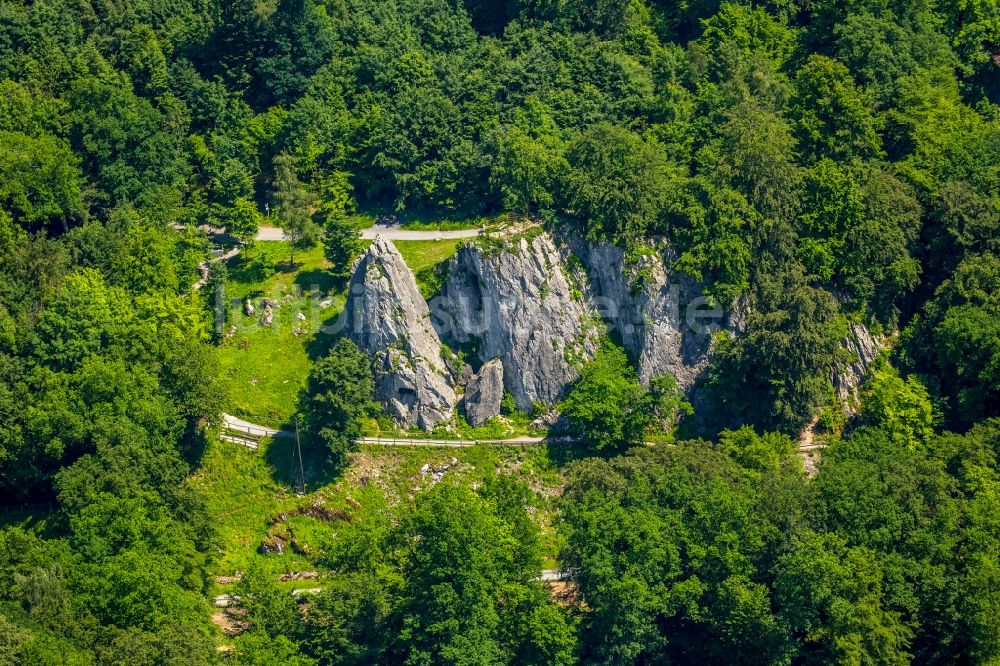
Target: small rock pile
{"x": 437, "y": 472}
{"x": 298, "y": 575}
{"x": 281, "y": 541}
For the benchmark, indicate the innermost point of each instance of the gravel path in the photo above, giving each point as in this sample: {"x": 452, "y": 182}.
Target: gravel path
{"x": 270, "y": 234}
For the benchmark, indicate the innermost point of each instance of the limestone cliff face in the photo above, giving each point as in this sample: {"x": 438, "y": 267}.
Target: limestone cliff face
{"x": 516, "y": 302}
{"x": 862, "y": 348}
{"x": 663, "y": 320}
{"x": 531, "y": 309}
{"x": 388, "y": 318}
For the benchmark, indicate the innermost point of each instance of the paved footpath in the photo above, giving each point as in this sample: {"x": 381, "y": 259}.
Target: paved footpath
{"x": 237, "y": 425}
{"x": 386, "y": 231}
{"x": 390, "y": 232}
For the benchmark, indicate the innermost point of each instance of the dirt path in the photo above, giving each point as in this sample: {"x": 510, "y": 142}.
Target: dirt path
{"x": 552, "y": 575}
{"x": 203, "y": 267}
{"x": 809, "y": 449}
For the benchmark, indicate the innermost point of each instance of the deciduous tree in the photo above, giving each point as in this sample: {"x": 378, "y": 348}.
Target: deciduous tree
{"x": 341, "y": 394}
{"x": 607, "y": 407}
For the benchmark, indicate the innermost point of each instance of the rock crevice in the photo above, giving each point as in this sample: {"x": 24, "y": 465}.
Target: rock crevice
{"x": 484, "y": 393}
{"x": 517, "y": 304}
{"x": 664, "y": 320}
{"x": 862, "y": 349}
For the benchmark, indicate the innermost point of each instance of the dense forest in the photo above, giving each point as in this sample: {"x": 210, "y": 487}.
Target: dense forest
{"x": 824, "y": 162}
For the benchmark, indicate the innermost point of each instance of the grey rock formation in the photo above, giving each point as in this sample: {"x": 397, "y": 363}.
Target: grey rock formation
{"x": 267, "y": 316}
{"x": 738, "y": 316}
{"x": 862, "y": 348}
{"x": 460, "y": 371}
{"x": 484, "y": 393}
{"x": 248, "y": 308}
{"x": 663, "y": 320}
{"x": 389, "y": 319}
{"x": 520, "y": 306}
{"x": 548, "y": 420}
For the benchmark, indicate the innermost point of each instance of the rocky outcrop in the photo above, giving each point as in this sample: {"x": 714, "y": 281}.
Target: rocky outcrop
{"x": 516, "y": 302}
{"x": 663, "y": 320}
{"x": 738, "y": 316}
{"x": 483, "y": 393}
{"x": 532, "y": 310}
{"x": 862, "y": 349}
{"x": 389, "y": 319}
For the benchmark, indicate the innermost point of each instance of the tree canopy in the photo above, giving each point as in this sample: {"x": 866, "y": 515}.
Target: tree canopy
{"x": 826, "y": 172}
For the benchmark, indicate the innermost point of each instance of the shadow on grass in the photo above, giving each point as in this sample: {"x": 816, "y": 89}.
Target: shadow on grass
{"x": 193, "y": 445}
{"x": 432, "y": 279}
{"x": 320, "y": 279}
{"x": 321, "y": 343}
{"x": 302, "y": 462}
{"x": 286, "y": 266}
{"x": 315, "y": 470}
{"x": 563, "y": 453}
{"x": 248, "y": 269}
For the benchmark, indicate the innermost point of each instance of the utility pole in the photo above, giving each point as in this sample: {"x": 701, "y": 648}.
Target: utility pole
{"x": 298, "y": 450}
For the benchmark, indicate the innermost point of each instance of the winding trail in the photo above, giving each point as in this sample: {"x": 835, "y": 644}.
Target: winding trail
{"x": 203, "y": 267}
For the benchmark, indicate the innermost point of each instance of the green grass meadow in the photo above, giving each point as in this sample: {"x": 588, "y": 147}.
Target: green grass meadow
{"x": 428, "y": 261}
{"x": 265, "y": 369}
{"x": 252, "y": 493}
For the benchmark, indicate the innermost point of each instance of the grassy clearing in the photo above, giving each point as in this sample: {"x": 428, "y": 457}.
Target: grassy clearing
{"x": 251, "y": 495}
{"x": 265, "y": 369}
{"x": 444, "y": 225}
{"x": 265, "y": 267}
{"x": 428, "y": 261}
{"x": 244, "y": 492}
{"x": 418, "y": 222}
